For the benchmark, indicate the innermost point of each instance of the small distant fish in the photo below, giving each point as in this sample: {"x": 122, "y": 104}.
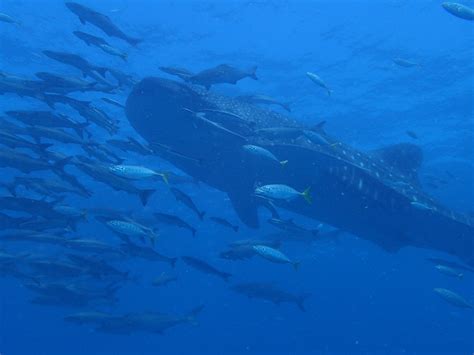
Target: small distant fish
{"x": 146, "y": 253}
{"x": 187, "y": 201}
{"x": 113, "y": 102}
{"x": 223, "y": 73}
{"x": 264, "y": 99}
{"x": 135, "y": 172}
{"x": 318, "y": 81}
{"x": 459, "y": 10}
{"x": 204, "y": 267}
{"x": 316, "y": 137}
{"x": 451, "y": 264}
{"x": 269, "y": 292}
{"x": 174, "y": 221}
{"x": 8, "y": 19}
{"x": 263, "y": 154}
{"x": 114, "y": 51}
{"x": 421, "y": 206}
{"x": 179, "y": 72}
{"x": 131, "y": 145}
{"x": 274, "y": 255}
{"x": 405, "y": 63}
{"x": 282, "y": 192}
{"x": 453, "y": 298}
{"x": 252, "y": 242}
{"x": 225, "y": 223}
{"x": 412, "y": 134}
{"x": 449, "y": 271}
{"x": 164, "y": 279}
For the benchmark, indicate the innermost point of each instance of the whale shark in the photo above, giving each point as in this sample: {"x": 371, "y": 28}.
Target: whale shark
{"x": 374, "y": 195}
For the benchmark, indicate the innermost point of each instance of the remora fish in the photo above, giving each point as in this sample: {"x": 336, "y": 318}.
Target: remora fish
{"x": 174, "y": 221}
{"x": 223, "y": 73}
{"x": 101, "y": 21}
{"x": 264, "y": 99}
{"x": 204, "y": 267}
{"x": 187, "y": 201}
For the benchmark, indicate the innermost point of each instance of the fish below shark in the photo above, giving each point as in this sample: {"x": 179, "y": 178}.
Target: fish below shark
{"x": 374, "y": 195}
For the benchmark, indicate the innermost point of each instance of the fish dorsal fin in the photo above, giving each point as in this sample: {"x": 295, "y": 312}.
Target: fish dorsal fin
{"x": 319, "y": 127}
{"x": 405, "y": 157}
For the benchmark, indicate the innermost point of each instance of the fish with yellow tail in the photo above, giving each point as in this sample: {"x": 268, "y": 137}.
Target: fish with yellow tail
{"x": 282, "y": 192}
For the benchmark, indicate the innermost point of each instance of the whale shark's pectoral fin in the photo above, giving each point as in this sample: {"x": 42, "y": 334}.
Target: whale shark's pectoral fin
{"x": 245, "y": 205}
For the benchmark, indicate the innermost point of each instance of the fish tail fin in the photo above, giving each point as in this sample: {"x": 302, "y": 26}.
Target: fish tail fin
{"x": 173, "y": 262}
{"x": 253, "y": 73}
{"x": 102, "y": 71}
{"x": 79, "y": 129}
{"x": 235, "y": 228}
{"x": 165, "y": 178}
{"x": 191, "y": 315}
{"x": 296, "y": 265}
{"x": 286, "y": 106}
{"x": 283, "y": 162}
{"x": 307, "y": 195}
{"x": 44, "y": 146}
{"x": 134, "y": 41}
{"x": 11, "y": 187}
{"x": 124, "y": 56}
{"x": 226, "y": 276}
{"x": 201, "y": 215}
{"x": 330, "y": 92}
{"x": 300, "y": 301}
{"x": 194, "y": 231}
{"x": 60, "y": 164}
{"x": 145, "y": 195}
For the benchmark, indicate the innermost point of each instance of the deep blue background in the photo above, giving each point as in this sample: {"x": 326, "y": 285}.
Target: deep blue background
{"x": 363, "y": 299}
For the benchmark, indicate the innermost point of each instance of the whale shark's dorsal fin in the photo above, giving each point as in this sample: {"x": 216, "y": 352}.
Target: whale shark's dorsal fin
{"x": 405, "y": 157}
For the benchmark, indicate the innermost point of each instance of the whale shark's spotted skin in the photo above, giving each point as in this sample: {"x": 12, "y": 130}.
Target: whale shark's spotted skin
{"x": 373, "y": 195}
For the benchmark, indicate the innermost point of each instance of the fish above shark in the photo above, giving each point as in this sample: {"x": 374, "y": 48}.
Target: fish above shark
{"x": 374, "y": 195}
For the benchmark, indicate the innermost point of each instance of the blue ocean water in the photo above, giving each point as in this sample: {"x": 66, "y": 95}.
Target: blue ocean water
{"x": 361, "y": 298}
